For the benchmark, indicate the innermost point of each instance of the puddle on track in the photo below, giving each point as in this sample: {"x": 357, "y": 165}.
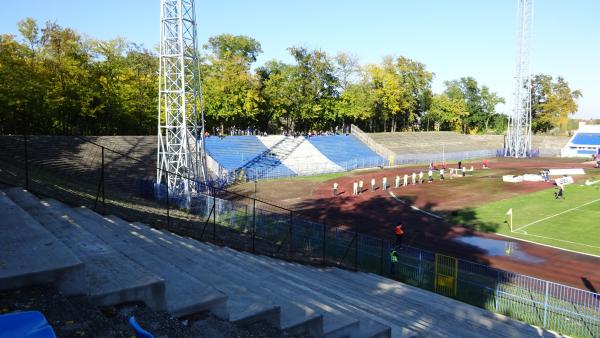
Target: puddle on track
{"x": 497, "y": 247}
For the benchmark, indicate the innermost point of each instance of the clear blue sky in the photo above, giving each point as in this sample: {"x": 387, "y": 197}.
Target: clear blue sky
{"x": 453, "y": 38}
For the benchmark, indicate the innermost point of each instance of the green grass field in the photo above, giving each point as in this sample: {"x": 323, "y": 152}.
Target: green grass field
{"x": 572, "y": 223}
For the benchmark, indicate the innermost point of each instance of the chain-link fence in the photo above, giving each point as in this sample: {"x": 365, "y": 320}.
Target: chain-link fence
{"x": 80, "y": 172}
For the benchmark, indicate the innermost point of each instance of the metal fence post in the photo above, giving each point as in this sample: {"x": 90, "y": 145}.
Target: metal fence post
{"x": 291, "y": 250}
{"x": 356, "y": 251}
{"x": 26, "y": 162}
{"x": 253, "y": 225}
{"x": 100, "y": 190}
{"x": 381, "y": 259}
{"x": 214, "y": 213}
{"x": 168, "y": 203}
{"x": 496, "y": 301}
{"x": 102, "y": 178}
{"x": 324, "y": 243}
{"x": 546, "y": 305}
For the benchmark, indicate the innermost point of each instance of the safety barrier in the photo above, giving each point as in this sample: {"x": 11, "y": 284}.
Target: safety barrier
{"x": 78, "y": 171}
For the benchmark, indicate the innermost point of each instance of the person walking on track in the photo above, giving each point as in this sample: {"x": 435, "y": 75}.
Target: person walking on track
{"x": 397, "y": 181}
{"x": 384, "y": 183}
{"x": 405, "y": 182}
{"x": 360, "y": 187}
{"x": 355, "y": 188}
{"x": 373, "y": 184}
{"x": 335, "y": 187}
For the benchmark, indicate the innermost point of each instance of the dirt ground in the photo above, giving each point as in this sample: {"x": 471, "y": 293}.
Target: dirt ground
{"x": 376, "y": 213}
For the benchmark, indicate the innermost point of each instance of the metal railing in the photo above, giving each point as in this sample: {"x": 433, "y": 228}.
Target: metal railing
{"x": 81, "y": 172}
{"x": 380, "y": 149}
{"x": 440, "y": 157}
{"x": 306, "y": 169}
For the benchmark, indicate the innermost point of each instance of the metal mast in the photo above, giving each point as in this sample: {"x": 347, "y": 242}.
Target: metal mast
{"x": 180, "y": 147}
{"x": 518, "y": 138}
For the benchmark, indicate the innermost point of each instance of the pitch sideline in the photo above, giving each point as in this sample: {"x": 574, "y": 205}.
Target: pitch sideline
{"x": 548, "y": 245}
{"x": 555, "y": 215}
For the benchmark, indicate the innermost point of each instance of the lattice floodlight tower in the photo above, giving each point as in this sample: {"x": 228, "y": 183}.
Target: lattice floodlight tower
{"x": 181, "y": 159}
{"x": 518, "y": 138}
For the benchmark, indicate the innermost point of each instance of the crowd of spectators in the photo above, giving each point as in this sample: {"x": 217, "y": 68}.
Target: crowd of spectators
{"x": 233, "y": 131}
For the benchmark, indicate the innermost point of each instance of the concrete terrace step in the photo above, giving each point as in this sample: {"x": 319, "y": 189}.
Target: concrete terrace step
{"x": 233, "y": 278}
{"x": 110, "y": 277}
{"x": 243, "y": 305}
{"x": 449, "y": 312}
{"x": 23, "y": 241}
{"x": 308, "y": 285}
{"x": 184, "y": 294}
{"x": 336, "y": 322}
{"x": 297, "y": 311}
{"x": 393, "y": 301}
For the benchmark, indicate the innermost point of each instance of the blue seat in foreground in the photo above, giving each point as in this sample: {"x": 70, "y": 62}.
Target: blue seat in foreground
{"x": 139, "y": 332}
{"x": 30, "y": 324}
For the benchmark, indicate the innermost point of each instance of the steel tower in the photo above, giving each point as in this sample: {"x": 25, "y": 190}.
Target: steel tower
{"x": 180, "y": 140}
{"x": 518, "y": 138}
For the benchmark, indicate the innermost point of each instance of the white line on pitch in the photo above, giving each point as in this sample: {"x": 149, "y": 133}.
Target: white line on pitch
{"x": 415, "y": 208}
{"x": 563, "y": 240}
{"x": 552, "y": 216}
{"x": 547, "y": 245}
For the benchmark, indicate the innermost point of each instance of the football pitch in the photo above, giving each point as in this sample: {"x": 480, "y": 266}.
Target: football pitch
{"x": 572, "y": 223}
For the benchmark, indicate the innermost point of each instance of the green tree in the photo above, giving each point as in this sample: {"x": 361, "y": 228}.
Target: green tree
{"x": 480, "y": 101}
{"x": 356, "y": 103}
{"x": 314, "y": 77}
{"x": 280, "y": 93}
{"x": 391, "y": 98}
{"x": 447, "y": 113}
{"x": 230, "y": 90}
{"x": 228, "y": 47}
{"x": 415, "y": 78}
{"x": 552, "y": 102}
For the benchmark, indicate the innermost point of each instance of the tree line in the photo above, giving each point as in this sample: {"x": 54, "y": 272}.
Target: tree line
{"x": 55, "y": 81}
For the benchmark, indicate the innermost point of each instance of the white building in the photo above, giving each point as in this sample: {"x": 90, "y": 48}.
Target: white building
{"x": 584, "y": 143}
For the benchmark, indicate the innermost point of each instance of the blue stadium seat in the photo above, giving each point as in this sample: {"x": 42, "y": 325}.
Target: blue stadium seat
{"x": 30, "y": 324}
{"x": 586, "y": 139}
{"x": 233, "y": 152}
{"x": 139, "y": 331}
{"x": 342, "y": 149}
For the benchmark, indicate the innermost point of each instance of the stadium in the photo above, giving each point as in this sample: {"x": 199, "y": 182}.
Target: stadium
{"x": 458, "y": 239}
{"x": 311, "y": 226}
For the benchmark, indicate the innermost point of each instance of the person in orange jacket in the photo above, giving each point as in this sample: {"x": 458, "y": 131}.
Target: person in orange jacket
{"x": 399, "y": 231}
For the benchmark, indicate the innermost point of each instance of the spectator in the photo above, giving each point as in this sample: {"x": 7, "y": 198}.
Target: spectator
{"x": 399, "y": 231}
{"x": 393, "y": 261}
